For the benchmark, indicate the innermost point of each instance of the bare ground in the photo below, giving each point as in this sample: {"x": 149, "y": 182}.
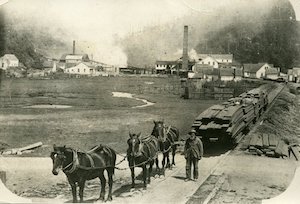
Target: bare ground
{"x": 247, "y": 178}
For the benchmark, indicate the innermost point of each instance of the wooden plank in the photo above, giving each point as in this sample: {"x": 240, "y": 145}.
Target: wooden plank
{"x": 295, "y": 151}
{"x": 270, "y": 154}
{"x": 259, "y": 142}
{"x": 273, "y": 141}
{"x": 281, "y": 149}
{"x": 253, "y": 140}
{"x": 259, "y": 152}
{"x": 32, "y": 146}
{"x": 265, "y": 139}
{"x": 252, "y": 149}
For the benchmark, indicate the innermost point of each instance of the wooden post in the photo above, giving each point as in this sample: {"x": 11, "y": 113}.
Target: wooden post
{"x": 3, "y": 177}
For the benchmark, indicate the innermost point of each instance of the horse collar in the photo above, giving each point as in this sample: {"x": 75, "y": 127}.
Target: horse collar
{"x": 74, "y": 163}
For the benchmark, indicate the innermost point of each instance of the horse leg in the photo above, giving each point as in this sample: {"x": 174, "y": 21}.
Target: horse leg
{"x": 74, "y": 193}
{"x": 103, "y": 183}
{"x": 168, "y": 160}
{"x": 145, "y": 175}
{"x": 81, "y": 188}
{"x": 164, "y": 162}
{"x": 157, "y": 165}
{"x": 110, "y": 183}
{"x": 132, "y": 177}
{"x": 150, "y": 170}
{"x": 173, "y": 154}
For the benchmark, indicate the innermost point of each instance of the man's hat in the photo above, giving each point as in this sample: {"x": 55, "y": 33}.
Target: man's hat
{"x": 192, "y": 131}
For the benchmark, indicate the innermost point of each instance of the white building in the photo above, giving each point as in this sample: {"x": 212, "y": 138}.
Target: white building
{"x": 215, "y": 60}
{"x": 91, "y": 69}
{"x": 294, "y": 75}
{"x": 82, "y": 69}
{"x": 257, "y": 70}
{"x": 9, "y": 60}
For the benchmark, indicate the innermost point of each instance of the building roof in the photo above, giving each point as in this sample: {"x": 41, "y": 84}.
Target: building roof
{"x": 74, "y": 57}
{"x": 87, "y": 64}
{"x": 10, "y": 57}
{"x": 272, "y": 71}
{"x": 253, "y": 68}
{"x": 220, "y": 71}
{"x": 161, "y": 62}
{"x": 294, "y": 71}
{"x": 227, "y": 72}
{"x": 217, "y": 56}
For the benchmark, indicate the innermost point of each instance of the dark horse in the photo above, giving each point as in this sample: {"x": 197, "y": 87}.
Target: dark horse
{"x": 142, "y": 153}
{"x": 167, "y": 138}
{"x": 81, "y": 166}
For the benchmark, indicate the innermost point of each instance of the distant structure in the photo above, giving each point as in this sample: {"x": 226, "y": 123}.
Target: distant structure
{"x": 261, "y": 70}
{"x": 216, "y": 60}
{"x": 8, "y": 60}
{"x": 294, "y": 74}
{"x": 71, "y": 60}
{"x": 179, "y": 66}
{"x": 185, "y": 56}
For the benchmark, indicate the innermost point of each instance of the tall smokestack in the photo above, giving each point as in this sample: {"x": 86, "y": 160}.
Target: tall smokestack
{"x": 185, "y": 56}
{"x": 73, "y": 47}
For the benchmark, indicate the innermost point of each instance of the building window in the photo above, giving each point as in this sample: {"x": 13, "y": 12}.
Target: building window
{"x": 208, "y": 62}
{"x": 78, "y": 70}
{"x": 213, "y": 63}
{"x": 84, "y": 70}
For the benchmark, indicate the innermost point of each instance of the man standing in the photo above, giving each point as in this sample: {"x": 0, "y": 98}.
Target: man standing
{"x": 193, "y": 152}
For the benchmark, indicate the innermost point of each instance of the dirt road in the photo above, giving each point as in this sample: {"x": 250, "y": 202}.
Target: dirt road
{"x": 35, "y": 173}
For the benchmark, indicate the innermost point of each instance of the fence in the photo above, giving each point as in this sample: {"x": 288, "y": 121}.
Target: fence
{"x": 174, "y": 88}
{"x": 200, "y": 89}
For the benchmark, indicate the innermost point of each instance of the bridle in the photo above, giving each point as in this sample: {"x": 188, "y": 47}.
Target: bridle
{"x": 74, "y": 164}
{"x": 133, "y": 143}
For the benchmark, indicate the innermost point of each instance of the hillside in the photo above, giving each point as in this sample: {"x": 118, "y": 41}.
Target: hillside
{"x": 28, "y": 43}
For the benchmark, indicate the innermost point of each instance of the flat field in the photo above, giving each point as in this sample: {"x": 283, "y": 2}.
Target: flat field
{"x": 95, "y": 116}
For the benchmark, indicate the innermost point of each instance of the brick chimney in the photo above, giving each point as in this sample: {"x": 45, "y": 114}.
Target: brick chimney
{"x": 73, "y": 47}
{"x": 185, "y": 56}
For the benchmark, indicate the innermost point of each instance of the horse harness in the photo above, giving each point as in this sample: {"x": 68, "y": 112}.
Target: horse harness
{"x": 172, "y": 143}
{"x": 76, "y": 165}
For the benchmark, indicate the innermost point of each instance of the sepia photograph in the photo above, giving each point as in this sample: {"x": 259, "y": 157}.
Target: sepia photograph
{"x": 150, "y": 101}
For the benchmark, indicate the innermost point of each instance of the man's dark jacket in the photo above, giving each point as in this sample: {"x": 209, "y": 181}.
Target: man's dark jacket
{"x": 193, "y": 148}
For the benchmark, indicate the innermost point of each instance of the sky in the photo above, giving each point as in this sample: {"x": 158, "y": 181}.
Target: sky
{"x": 94, "y": 24}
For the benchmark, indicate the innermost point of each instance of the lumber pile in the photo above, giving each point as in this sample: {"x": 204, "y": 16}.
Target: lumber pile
{"x": 268, "y": 145}
{"x": 229, "y": 119}
{"x": 26, "y": 149}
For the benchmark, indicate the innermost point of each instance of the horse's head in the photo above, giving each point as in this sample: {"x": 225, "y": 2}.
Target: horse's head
{"x": 58, "y": 157}
{"x": 159, "y": 130}
{"x": 134, "y": 144}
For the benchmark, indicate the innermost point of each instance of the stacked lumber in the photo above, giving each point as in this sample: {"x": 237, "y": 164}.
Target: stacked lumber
{"x": 229, "y": 119}
{"x": 268, "y": 145}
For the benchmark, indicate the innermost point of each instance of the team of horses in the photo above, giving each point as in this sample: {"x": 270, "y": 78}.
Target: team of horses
{"x": 80, "y": 166}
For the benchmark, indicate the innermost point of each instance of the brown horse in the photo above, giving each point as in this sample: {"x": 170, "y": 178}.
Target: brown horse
{"x": 82, "y": 166}
{"x": 142, "y": 153}
{"x": 167, "y": 137}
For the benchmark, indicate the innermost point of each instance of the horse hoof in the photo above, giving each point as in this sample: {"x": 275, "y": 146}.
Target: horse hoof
{"x": 109, "y": 198}
{"x": 101, "y": 198}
